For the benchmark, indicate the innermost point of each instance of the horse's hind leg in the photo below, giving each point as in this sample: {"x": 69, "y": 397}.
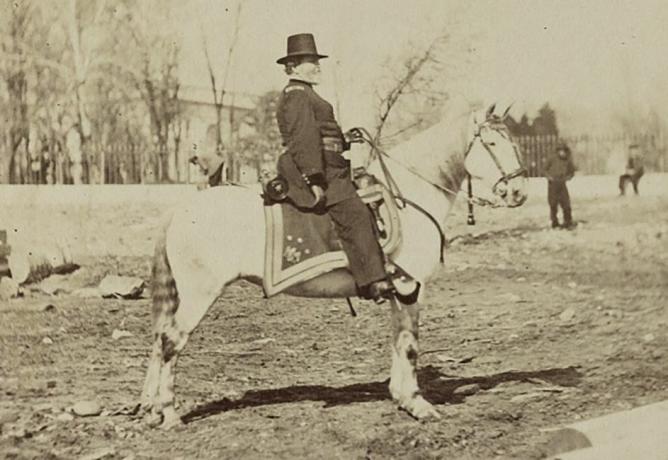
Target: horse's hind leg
{"x": 174, "y": 332}
{"x": 403, "y": 378}
{"x": 176, "y": 313}
{"x": 150, "y": 391}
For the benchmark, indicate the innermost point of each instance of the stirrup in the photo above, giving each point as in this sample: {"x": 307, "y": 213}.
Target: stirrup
{"x": 404, "y": 285}
{"x": 406, "y": 288}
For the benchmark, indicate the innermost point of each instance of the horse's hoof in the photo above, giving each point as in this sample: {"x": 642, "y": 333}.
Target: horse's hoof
{"x": 153, "y": 419}
{"x": 170, "y": 420}
{"x": 145, "y": 407}
{"x": 171, "y": 423}
{"x": 421, "y": 409}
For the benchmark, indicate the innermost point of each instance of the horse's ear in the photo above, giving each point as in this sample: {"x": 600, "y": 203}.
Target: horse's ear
{"x": 490, "y": 111}
{"x": 507, "y": 111}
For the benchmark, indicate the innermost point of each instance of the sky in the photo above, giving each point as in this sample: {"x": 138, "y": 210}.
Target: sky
{"x": 583, "y": 56}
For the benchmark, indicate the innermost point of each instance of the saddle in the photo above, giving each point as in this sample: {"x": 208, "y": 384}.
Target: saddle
{"x": 300, "y": 246}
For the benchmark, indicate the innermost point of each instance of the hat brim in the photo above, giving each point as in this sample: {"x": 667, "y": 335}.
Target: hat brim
{"x": 291, "y": 57}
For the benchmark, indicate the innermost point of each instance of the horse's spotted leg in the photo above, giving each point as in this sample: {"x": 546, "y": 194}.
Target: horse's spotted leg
{"x": 175, "y": 333}
{"x": 172, "y": 342}
{"x": 403, "y": 378}
{"x": 150, "y": 391}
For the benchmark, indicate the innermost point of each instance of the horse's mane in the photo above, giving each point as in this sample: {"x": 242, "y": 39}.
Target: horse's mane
{"x": 441, "y": 146}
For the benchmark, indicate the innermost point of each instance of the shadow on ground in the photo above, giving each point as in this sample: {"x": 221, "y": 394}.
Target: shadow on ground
{"x": 437, "y": 387}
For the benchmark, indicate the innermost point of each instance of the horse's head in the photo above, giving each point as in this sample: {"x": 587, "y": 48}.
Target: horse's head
{"x": 493, "y": 161}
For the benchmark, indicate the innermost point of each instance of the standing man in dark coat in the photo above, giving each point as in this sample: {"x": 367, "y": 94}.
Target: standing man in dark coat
{"x": 319, "y": 177}
{"x": 559, "y": 169}
{"x": 635, "y": 169}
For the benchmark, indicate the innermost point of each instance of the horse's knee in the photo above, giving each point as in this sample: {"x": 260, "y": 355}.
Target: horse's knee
{"x": 406, "y": 340}
{"x": 168, "y": 346}
{"x": 412, "y": 354}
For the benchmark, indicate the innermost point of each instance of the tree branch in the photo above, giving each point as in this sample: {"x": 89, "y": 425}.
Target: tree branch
{"x": 406, "y": 83}
{"x": 230, "y": 50}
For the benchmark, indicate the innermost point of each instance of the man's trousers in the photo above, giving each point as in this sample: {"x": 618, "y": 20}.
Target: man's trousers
{"x": 354, "y": 226}
{"x": 633, "y": 178}
{"x": 557, "y": 195}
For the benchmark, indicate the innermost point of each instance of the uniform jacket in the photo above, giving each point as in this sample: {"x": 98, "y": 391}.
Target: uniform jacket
{"x": 313, "y": 144}
{"x": 559, "y": 169}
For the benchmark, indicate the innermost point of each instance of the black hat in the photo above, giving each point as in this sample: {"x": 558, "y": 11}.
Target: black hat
{"x": 300, "y": 45}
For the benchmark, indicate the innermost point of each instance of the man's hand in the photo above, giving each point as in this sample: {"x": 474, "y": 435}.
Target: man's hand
{"x": 319, "y": 194}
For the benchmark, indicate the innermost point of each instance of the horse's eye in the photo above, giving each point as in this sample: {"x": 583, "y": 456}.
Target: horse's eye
{"x": 492, "y": 144}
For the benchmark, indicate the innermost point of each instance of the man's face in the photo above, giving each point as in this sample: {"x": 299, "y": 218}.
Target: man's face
{"x": 561, "y": 153}
{"x": 308, "y": 70}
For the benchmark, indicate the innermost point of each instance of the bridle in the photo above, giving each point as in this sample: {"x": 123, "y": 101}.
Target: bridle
{"x": 494, "y": 124}
{"x": 491, "y": 123}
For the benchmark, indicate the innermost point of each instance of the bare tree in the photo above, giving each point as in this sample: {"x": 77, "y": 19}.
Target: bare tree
{"x": 70, "y": 82}
{"x": 413, "y": 84}
{"x": 15, "y": 75}
{"x": 219, "y": 92}
{"x": 61, "y": 75}
{"x": 151, "y": 28}
{"x": 82, "y": 56}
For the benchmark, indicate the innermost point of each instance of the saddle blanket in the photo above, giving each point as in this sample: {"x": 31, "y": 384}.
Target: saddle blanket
{"x": 301, "y": 245}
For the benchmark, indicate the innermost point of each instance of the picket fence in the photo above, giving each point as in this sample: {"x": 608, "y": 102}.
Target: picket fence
{"x": 122, "y": 163}
{"x": 594, "y": 154}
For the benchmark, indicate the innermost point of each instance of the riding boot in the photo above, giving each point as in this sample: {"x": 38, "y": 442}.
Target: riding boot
{"x": 378, "y": 290}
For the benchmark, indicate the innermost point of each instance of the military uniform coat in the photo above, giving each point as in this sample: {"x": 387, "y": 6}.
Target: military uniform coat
{"x": 313, "y": 144}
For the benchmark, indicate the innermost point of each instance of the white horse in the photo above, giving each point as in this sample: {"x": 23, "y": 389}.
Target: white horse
{"x": 218, "y": 238}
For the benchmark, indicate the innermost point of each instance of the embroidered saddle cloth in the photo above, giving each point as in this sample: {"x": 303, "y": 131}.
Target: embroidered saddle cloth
{"x": 300, "y": 246}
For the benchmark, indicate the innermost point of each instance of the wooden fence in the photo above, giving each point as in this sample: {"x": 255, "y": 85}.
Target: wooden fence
{"x": 117, "y": 163}
{"x": 126, "y": 163}
{"x": 594, "y": 154}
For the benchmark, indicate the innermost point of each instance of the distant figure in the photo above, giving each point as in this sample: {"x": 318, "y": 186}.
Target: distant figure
{"x": 635, "y": 168}
{"x": 559, "y": 169}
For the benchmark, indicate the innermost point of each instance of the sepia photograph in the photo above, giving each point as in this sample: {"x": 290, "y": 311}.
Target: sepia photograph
{"x": 334, "y": 229}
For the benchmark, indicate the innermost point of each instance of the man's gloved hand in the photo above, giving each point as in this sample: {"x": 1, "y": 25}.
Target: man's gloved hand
{"x": 354, "y": 135}
{"x": 319, "y": 194}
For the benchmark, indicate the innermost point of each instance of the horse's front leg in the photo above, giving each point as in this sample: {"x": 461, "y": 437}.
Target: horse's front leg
{"x": 403, "y": 379}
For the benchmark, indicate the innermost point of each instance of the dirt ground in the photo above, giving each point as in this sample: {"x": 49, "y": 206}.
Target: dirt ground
{"x": 524, "y": 329}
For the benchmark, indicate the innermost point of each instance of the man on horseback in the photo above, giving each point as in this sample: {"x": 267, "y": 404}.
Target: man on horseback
{"x": 319, "y": 177}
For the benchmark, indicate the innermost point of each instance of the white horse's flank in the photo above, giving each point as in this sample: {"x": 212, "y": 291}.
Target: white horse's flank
{"x": 219, "y": 238}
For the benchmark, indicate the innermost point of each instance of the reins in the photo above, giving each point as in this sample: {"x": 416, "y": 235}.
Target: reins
{"x": 472, "y": 200}
{"x": 402, "y": 201}
{"x": 399, "y": 198}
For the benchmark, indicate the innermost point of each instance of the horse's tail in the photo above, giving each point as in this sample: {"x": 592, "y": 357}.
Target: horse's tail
{"x": 164, "y": 292}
